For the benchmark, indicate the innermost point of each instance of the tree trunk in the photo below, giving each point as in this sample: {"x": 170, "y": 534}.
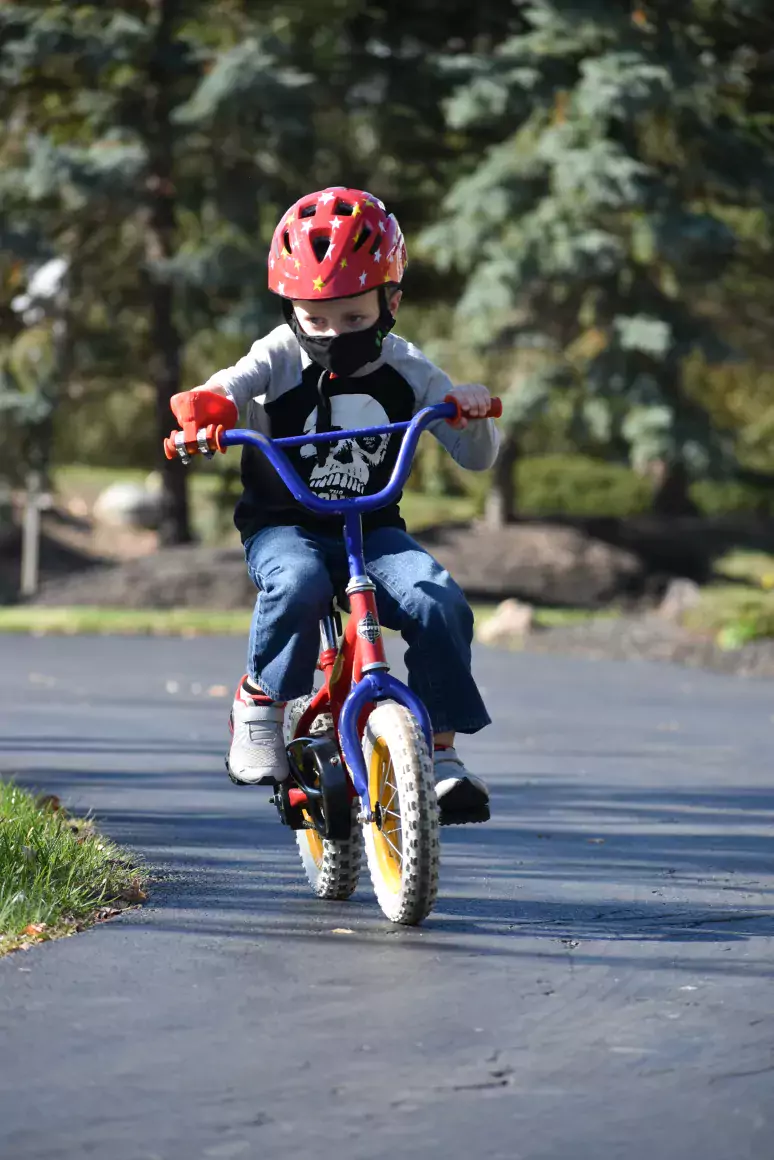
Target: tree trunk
{"x": 174, "y": 527}
{"x": 501, "y": 502}
{"x": 671, "y": 498}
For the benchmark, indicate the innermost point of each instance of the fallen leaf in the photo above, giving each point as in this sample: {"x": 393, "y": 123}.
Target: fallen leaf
{"x": 133, "y": 893}
{"x": 342, "y": 930}
{"x": 35, "y": 928}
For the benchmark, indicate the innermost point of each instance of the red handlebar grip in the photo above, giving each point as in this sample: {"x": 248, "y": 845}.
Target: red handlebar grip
{"x": 494, "y": 412}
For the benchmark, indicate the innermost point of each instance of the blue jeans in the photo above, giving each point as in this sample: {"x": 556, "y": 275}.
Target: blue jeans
{"x": 296, "y": 573}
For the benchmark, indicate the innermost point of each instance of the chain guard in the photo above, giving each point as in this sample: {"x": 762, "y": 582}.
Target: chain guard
{"x": 316, "y": 767}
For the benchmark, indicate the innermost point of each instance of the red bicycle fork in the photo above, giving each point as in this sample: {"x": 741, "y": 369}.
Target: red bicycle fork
{"x": 361, "y": 651}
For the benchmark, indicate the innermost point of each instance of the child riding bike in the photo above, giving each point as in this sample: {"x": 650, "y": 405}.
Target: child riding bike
{"x": 337, "y": 261}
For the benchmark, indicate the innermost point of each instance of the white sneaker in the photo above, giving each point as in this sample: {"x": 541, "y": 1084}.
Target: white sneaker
{"x": 458, "y": 792}
{"x": 257, "y": 755}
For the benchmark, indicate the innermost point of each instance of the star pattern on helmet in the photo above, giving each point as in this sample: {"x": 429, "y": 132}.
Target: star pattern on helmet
{"x": 356, "y": 209}
{"x": 326, "y": 197}
{"x": 363, "y": 278}
{"x": 335, "y": 223}
{"x": 378, "y": 255}
{"x": 343, "y": 264}
{"x": 296, "y": 263}
{"x": 281, "y": 287}
{"x": 318, "y": 283}
{"x": 307, "y": 225}
{"x": 290, "y": 219}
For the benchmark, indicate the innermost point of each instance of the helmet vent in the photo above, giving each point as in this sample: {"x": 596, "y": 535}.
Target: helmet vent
{"x": 345, "y": 208}
{"x": 286, "y": 240}
{"x": 362, "y": 237}
{"x": 308, "y": 210}
{"x": 320, "y": 246}
{"x": 376, "y": 244}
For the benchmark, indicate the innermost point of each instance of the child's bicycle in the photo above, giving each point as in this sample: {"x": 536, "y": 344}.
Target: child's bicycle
{"x": 361, "y": 747}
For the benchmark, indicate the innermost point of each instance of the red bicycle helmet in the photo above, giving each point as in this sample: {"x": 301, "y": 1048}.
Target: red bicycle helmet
{"x": 334, "y": 244}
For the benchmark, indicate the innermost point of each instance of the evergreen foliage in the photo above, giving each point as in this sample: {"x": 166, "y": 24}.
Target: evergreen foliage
{"x": 594, "y": 180}
{"x": 620, "y": 151}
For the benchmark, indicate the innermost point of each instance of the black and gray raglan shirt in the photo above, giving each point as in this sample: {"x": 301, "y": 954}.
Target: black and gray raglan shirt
{"x": 275, "y": 388}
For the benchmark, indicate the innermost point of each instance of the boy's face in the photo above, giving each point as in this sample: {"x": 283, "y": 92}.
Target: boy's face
{"x": 334, "y": 316}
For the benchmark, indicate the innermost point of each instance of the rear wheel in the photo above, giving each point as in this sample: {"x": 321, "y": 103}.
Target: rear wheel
{"x": 332, "y": 868}
{"x": 402, "y": 842}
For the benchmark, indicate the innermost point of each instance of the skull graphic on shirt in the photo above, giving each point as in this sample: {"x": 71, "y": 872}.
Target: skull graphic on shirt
{"x": 349, "y": 463}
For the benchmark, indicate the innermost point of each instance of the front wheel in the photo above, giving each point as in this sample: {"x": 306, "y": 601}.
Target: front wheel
{"x": 402, "y": 842}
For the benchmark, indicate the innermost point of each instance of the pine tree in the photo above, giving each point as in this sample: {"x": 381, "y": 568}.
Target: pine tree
{"x": 601, "y": 211}
{"x": 148, "y": 138}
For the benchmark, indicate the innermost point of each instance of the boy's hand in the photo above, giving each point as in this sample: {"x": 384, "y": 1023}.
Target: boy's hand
{"x": 473, "y": 399}
{"x": 202, "y": 407}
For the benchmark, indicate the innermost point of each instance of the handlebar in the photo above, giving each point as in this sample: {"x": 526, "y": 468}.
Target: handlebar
{"x": 210, "y": 440}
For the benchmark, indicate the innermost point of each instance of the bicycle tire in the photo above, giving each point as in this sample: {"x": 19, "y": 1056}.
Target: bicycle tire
{"x": 401, "y": 845}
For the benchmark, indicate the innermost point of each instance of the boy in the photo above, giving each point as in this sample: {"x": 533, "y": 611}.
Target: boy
{"x": 337, "y": 261}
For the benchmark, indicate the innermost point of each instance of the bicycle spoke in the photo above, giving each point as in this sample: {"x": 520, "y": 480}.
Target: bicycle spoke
{"x": 390, "y": 785}
{"x": 392, "y": 846}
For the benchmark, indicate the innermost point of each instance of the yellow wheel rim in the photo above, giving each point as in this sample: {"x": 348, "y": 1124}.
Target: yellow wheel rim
{"x": 315, "y": 844}
{"x": 388, "y": 840}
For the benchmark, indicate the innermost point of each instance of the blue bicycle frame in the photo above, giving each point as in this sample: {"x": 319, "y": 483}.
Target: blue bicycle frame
{"x": 377, "y": 684}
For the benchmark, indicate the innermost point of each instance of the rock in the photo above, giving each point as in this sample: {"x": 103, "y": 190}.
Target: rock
{"x": 511, "y": 620}
{"x": 681, "y": 596}
{"x": 128, "y": 505}
{"x": 184, "y": 577}
{"x": 540, "y": 563}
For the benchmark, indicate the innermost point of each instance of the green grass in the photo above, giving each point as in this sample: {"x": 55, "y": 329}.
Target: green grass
{"x": 754, "y": 568}
{"x": 57, "y": 874}
{"x": 733, "y": 614}
{"x": 79, "y": 478}
{"x": 70, "y": 621}
{"x": 423, "y": 511}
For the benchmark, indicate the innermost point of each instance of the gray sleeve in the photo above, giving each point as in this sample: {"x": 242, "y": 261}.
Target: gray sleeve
{"x": 476, "y": 447}
{"x": 263, "y": 372}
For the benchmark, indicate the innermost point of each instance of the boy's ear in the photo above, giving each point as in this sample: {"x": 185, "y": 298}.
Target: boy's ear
{"x": 394, "y": 302}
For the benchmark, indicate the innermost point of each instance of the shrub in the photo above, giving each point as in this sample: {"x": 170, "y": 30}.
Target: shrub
{"x": 579, "y": 486}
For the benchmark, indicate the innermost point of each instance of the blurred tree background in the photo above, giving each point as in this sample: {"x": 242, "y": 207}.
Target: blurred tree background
{"x": 587, "y": 190}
